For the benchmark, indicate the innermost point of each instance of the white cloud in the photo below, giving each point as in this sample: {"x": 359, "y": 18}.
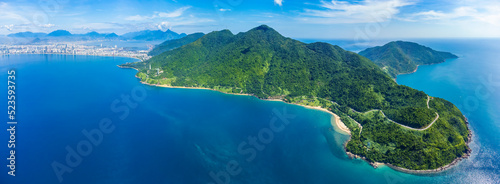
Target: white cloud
{"x": 8, "y": 27}
{"x": 97, "y": 26}
{"x": 137, "y": 18}
{"x": 47, "y": 25}
{"x": 182, "y": 22}
{"x": 361, "y": 12}
{"x": 475, "y": 13}
{"x": 169, "y": 20}
{"x": 3, "y": 5}
{"x": 8, "y": 13}
{"x": 106, "y": 27}
{"x": 224, "y": 10}
{"x": 177, "y": 13}
{"x": 26, "y": 27}
{"x": 164, "y": 25}
{"x": 278, "y": 2}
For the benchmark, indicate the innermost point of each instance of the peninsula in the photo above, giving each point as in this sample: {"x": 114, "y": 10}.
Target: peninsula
{"x": 401, "y": 57}
{"x": 388, "y": 123}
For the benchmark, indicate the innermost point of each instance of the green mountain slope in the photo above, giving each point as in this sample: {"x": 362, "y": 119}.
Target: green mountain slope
{"x": 172, "y": 44}
{"x": 401, "y": 57}
{"x": 264, "y": 63}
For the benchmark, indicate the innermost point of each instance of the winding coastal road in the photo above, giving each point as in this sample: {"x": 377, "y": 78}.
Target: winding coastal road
{"x": 359, "y": 125}
{"x": 428, "y": 99}
{"x": 417, "y": 129}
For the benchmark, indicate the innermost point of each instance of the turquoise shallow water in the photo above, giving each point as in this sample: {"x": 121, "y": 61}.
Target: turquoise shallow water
{"x": 184, "y": 135}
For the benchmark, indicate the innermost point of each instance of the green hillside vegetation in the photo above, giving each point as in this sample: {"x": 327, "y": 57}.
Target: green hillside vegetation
{"x": 172, "y": 44}
{"x": 416, "y": 117}
{"x": 263, "y": 63}
{"x": 401, "y": 57}
{"x": 429, "y": 149}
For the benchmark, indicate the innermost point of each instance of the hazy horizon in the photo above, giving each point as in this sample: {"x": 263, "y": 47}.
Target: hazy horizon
{"x": 314, "y": 19}
{"x": 298, "y": 37}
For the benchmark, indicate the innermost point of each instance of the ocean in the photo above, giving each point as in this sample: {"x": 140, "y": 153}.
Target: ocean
{"x": 81, "y": 119}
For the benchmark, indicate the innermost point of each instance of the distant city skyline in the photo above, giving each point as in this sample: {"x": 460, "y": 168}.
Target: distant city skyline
{"x": 361, "y": 19}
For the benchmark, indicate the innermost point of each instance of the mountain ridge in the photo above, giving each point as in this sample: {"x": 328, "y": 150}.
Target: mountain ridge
{"x": 58, "y": 33}
{"x": 27, "y": 34}
{"x": 146, "y": 35}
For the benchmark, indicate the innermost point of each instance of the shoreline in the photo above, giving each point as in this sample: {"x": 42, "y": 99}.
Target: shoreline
{"x": 343, "y": 129}
{"x": 417, "y": 68}
{"x": 140, "y": 60}
{"x": 446, "y": 167}
{"x": 421, "y": 172}
{"x": 338, "y": 123}
{"x": 411, "y": 72}
{"x": 184, "y": 87}
{"x": 452, "y": 164}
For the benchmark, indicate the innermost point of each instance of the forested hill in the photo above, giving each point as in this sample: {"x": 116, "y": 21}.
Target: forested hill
{"x": 401, "y": 57}
{"x": 172, "y": 44}
{"x": 266, "y": 64}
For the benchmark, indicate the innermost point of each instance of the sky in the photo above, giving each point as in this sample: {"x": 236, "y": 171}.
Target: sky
{"x": 315, "y": 19}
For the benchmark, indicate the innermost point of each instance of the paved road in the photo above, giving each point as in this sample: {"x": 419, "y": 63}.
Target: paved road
{"x": 417, "y": 129}
{"x": 359, "y": 125}
{"x": 428, "y": 99}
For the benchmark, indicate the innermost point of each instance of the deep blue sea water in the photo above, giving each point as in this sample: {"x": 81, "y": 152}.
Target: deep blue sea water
{"x": 184, "y": 135}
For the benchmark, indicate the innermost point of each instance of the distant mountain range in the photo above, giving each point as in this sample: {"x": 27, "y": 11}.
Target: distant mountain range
{"x": 60, "y": 33}
{"x": 63, "y": 35}
{"x": 150, "y": 35}
{"x": 27, "y": 34}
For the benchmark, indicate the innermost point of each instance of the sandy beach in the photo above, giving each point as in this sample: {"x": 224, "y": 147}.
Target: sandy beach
{"x": 182, "y": 87}
{"x": 337, "y": 123}
{"x": 341, "y": 125}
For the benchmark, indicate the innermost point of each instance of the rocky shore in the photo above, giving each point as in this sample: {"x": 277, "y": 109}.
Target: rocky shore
{"x": 410, "y": 171}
